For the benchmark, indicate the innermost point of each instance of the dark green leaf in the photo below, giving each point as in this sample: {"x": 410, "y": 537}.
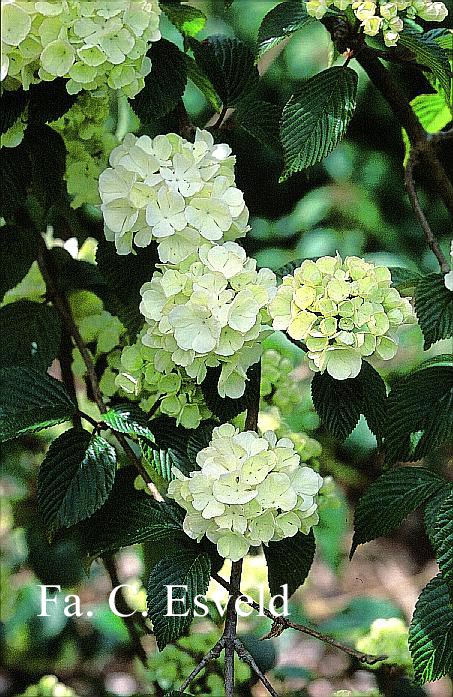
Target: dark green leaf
{"x": 18, "y": 252}
{"x": 201, "y": 80}
{"x": 339, "y": 403}
{"x": 443, "y": 540}
{"x": 288, "y": 562}
{"x": 124, "y": 276}
{"x": 128, "y": 517}
{"x": 48, "y": 157}
{"x": 199, "y": 439}
{"x": 75, "y": 478}
{"x": 129, "y": 419}
{"x": 165, "y": 84}
{"x": 434, "y": 308}
{"x": 29, "y": 334}
{"x": 390, "y": 499}
{"x": 432, "y": 509}
{"x": 229, "y": 65}
{"x": 31, "y": 400}
{"x": 189, "y": 20}
{"x": 427, "y": 52}
{"x": 226, "y": 408}
{"x": 12, "y": 104}
{"x": 183, "y": 567}
{"x": 49, "y": 101}
{"x": 171, "y": 443}
{"x": 282, "y": 21}
{"x": 260, "y": 120}
{"x": 431, "y": 633}
{"x": 404, "y": 279}
{"x": 419, "y": 413}
{"x": 316, "y": 118}
{"x": 15, "y": 175}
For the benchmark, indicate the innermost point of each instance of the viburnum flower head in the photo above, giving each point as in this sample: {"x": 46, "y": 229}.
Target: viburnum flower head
{"x": 168, "y": 189}
{"x": 249, "y": 490}
{"x": 93, "y": 43}
{"x": 342, "y": 311}
{"x": 208, "y": 313}
{"x": 375, "y": 17}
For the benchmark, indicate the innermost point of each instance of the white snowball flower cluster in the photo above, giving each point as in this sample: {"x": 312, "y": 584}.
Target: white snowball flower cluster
{"x": 207, "y": 313}
{"x": 375, "y": 17}
{"x": 167, "y": 189}
{"x": 249, "y": 490}
{"x": 342, "y": 311}
{"x": 91, "y": 42}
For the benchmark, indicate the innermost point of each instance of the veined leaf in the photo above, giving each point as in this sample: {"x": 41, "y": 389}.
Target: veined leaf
{"x": 316, "y": 118}
{"x": 433, "y": 113}
{"x": 289, "y": 561}
{"x": 189, "y": 20}
{"x": 427, "y": 52}
{"x": 443, "y": 540}
{"x": 168, "y": 447}
{"x": 420, "y": 407}
{"x": 18, "y": 251}
{"x": 260, "y": 120}
{"x": 390, "y": 499}
{"x": 229, "y": 65}
{"x": 31, "y": 400}
{"x": 339, "y": 403}
{"x": 29, "y": 334}
{"x": 187, "y": 567}
{"x": 201, "y": 80}
{"x": 434, "y": 308}
{"x": 432, "y": 509}
{"x": 404, "y": 280}
{"x": 75, "y": 478}
{"x": 282, "y": 21}
{"x": 431, "y": 633}
{"x": 128, "y": 419}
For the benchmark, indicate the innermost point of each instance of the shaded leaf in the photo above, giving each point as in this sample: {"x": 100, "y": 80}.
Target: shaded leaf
{"x": 434, "y": 308}
{"x": 288, "y": 562}
{"x": 443, "y": 540}
{"x": 18, "y": 252}
{"x": 427, "y": 52}
{"x": 260, "y": 120}
{"x": 201, "y": 80}
{"x": 30, "y": 401}
{"x": 29, "y": 334}
{"x": 316, "y": 118}
{"x": 391, "y": 498}
{"x": 169, "y": 447}
{"x": 128, "y": 419}
{"x": 432, "y": 509}
{"x": 404, "y": 279}
{"x": 282, "y": 21}
{"x": 226, "y": 408}
{"x": 189, "y": 20}
{"x": 75, "y": 478}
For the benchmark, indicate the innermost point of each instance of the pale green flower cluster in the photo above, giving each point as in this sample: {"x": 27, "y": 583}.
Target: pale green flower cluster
{"x": 388, "y": 637}
{"x": 90, "y": 42}
{"x": 49, "y": 686}
{"x": 167, "y": 189}
{"x": 88, "y": 144}
{"x": 209, "y": 312}
{"x": 278, "y": 386}
{"x": 249, "y": 490}
{"x": 385, "y": 17}
{"x": 342, "y": 311}
{"x": 101, "y": 329}
{"x": 135, "y": 375}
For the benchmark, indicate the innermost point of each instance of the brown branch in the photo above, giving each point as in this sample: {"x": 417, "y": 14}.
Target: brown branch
{"x": 65, "y": 360}
{"x": 247, "y": 657}
{"x": 415, "y": 203}
{"x": 279, "y": 624}
{"x": 210, "y": 656}
{"x": 229, "y": 633}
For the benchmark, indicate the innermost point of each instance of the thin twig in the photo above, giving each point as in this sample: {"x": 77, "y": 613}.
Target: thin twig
{"x": 229, "y": 633}
{"x": 221, "y": 117}
{"x": 210, "y": 656}
{"x": 415, "y": 203}
{"x": 282, "y": 623}
{"x": 247, "y": 657}
{"x": 65, "y": 359}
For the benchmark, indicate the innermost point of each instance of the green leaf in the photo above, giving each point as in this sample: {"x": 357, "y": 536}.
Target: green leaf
{"x": 390, "y": 499}
{"x": 189, "y": 20}
{"x": 404, "y": 280}
{"x": 316, "y": 118}
{"x": 12, "y": 105}
{"x": 339, "y": 403}
{"x": 17, "y": 252}
{"x": 49, "y": 101}
{"x": 260, "y": 120}
{"x": 427, "y": 52}
{"x": 419, "y": 413}
{"x": 443, "y": 540}
{"x": 75, "y": 478}
{"x": 201, "y": 80}
{"x": 128, "y": 517}
{"x": 434, "y": 308}
{"x": 124, "y": 276}
{"x": 433, "y": 113}
{"x": 48, "y": 157}
{"x": 15, "y": 175}
{"x": 183, "y": 567}
{"x": 199, "y": 439}
{"x": 169, "y": 447}
{"x": 282, "y": 21}
{"x": 30, "y": 401}
{"x": 226, "y": 408}
{"x": 165, "y": 84}
{"x": 431, "y": 633}
{"x": 29, "y": 334}
{"x": 229, "y": 65}
{"x": 288, "y": 562}
{"x": 432, "y": 509}
{"x": 128, "y": 419}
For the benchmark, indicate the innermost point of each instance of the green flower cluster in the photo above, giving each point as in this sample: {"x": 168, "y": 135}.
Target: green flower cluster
{"x": 342, "y": 311}
{"x": 88, "y": 145}
{"x": 170, "y": 667}
{"x": 48, "y": 686}
{"x": 249, "y": 490}
{"x": 91, "y": 42}
{"x": 208, "y": 311}
{"x": 385, "y": 17}
{"x": 388, "y": 637}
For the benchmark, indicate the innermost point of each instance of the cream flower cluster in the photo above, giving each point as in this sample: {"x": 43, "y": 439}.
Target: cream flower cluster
{"x": 167, "y": 189}
{"x": 208, "y": 313}
{"x": 249, "y": 490}
{"x": 91, "y": 42}
{"x": 342, "y": 311}
{"x": 375, "y": 17}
